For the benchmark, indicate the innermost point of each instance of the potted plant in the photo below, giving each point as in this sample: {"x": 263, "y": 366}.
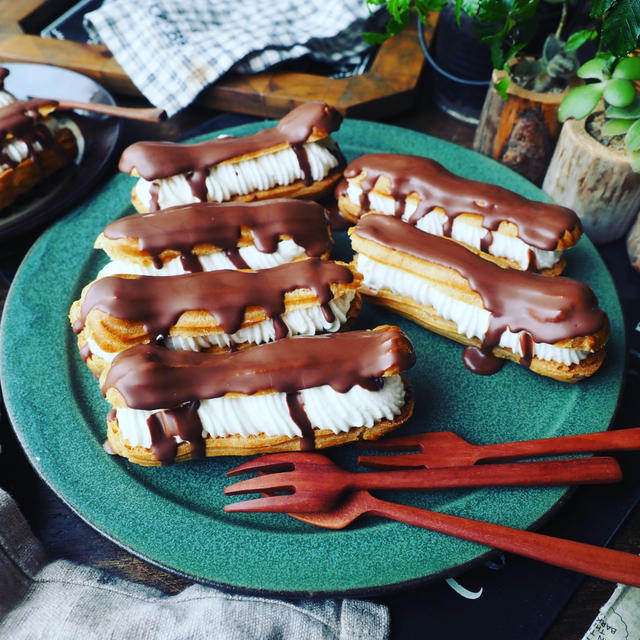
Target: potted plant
{"x": 518, "y": 124}
{"x": 487, "y": 34}
{"x": 595, "y": 168}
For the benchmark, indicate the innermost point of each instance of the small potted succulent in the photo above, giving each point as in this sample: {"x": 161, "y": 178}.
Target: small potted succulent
{"x": 519, "y": 126}
{"x": 518, "y": 123}
{"x": 595, "y": 168}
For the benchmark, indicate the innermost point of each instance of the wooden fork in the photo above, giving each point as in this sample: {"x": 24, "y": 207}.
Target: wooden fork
{"x": 446, "y": 449}
{"x": 609, "y": 564}
{"x": 314, "y": 483}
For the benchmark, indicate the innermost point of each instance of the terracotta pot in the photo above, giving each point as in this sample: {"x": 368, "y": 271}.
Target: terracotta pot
{"x": 521, "y": 131}
{"x": 597, "y": 182}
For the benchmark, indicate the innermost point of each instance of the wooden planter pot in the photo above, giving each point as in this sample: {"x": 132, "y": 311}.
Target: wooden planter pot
{"x": 595, "y": 181}
{"x": 521, "y": 131}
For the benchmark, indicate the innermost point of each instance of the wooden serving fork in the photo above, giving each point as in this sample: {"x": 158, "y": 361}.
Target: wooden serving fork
{"x": 591, "y": 560}
{"x": 446, "y": 449}
{"x": 312, "y": 482}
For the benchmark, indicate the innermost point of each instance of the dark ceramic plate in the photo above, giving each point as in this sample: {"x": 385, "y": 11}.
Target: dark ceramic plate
{"x": 66, "y": 187}
{"x": 173, "y": 516}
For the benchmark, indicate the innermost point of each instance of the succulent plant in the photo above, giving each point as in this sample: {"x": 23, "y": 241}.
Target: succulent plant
{"x": 550, "y": 72}
{"x": 614, "y": 85}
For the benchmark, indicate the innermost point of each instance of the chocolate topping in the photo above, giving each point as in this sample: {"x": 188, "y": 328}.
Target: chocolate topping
{"x": 539, "y": 224}
{"x": 184, "y": 422}
{"x": 183, "y": 228}
{"x": 159, "y": 302}
{"x": 154, "y": 160}
{"x": 548, "y": 309}
{"x": 23, "y": 121}
{"x": 150, "y": 377}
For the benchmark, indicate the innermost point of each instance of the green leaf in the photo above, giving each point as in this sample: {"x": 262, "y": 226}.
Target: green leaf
{"x": 616, "y": 127}
{"x": 580, "y": 102}
{"x": 631, "y": 112}
{"x": 577, "y": 39}
{"x": 399, "y": 10}
{"x": 621, "y": 27}
{"x": 502, "y": 86}
{"x": 600, "y": 7}
{"x": 593, "y": 69}
{"x": 634, "y": 158}
{"x": 371, "y": 37}
{"x": 632, "y": 139}
{"x": 628, "y": 68}
{"x": 619, "y": 92}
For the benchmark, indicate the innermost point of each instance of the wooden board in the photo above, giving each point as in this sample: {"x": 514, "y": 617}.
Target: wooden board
{"x": 387, "y": 88}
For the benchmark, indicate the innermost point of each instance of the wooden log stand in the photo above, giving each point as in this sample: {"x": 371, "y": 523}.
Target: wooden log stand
{"x": 594, "y": 180}
{"x": 521, "y": 131}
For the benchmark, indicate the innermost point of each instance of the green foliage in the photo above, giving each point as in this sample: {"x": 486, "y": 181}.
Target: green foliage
{"x": 616, "y": 89}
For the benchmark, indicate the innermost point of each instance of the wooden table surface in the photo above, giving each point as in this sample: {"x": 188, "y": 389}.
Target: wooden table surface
{"x": 65, "y": 535}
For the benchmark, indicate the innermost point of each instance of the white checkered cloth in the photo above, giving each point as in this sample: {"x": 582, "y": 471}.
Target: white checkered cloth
{"x": 172, "y": 50}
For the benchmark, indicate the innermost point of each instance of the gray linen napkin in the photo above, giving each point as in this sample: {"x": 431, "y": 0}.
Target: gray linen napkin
{"x": 61, "y": 600}
{"x": 172, "y": 50}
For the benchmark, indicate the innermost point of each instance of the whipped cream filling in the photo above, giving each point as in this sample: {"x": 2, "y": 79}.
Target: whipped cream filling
{"x": 286, "y": 251}
{"x": 6, "y": 98}
{"x": 305, "y": 322}
{"x": 471, "y": 321}
{"x": 502, "y": 246}
{"x": 269, "y": 414}
{"x": 18, "y": 150}
{"x": 230, "y": 179}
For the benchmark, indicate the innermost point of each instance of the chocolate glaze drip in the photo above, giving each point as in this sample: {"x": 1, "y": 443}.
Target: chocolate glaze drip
{"x": 548, "y": 309}
{"x": 188, "y": 260}
{"x": 303, "y": 162}
{"x": 539, "y": 224}
{"x": 3, "y": 74}
{"x": 183, "y": 228}
{"x": 149, "y": 377}
{"x": 226, "y": 294}
{"x": 154, "y": 160}
{"x": 182, "y": 421}
{"x": 236, "y": 259}
{"x": 299, "y": 416}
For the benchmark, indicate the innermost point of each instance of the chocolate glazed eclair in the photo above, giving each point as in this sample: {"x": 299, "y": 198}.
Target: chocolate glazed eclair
{"x": 296, "y": 158}
{"x": 496, "y": 223}
{"x": 297, "y": 393}
{"x": 207, "y": 236}
{"x": 552, "y": 326}
{"x": 33, "y": 146}
{"x": 216, "y": 310}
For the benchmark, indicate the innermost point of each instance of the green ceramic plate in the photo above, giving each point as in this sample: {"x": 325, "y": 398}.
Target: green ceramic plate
{"x": 173, "y": 517}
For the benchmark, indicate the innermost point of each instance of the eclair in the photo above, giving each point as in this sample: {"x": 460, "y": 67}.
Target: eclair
{"x": 496, "y": 223}
{"x": 215, "y": 310}
{"x": 552, "y": 326}
{"x": 33, "y": 145}
{"x": 297, "y": 158}
{"x": 207, "y": 236}
{"x": 299, "y": 393}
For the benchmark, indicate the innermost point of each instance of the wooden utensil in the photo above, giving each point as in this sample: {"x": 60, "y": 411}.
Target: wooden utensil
{"x": 445, "y": 449}
{"x": 128, "y": 113}
{"x": 591, "y": 560}
{"x": 314, "y": 483}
